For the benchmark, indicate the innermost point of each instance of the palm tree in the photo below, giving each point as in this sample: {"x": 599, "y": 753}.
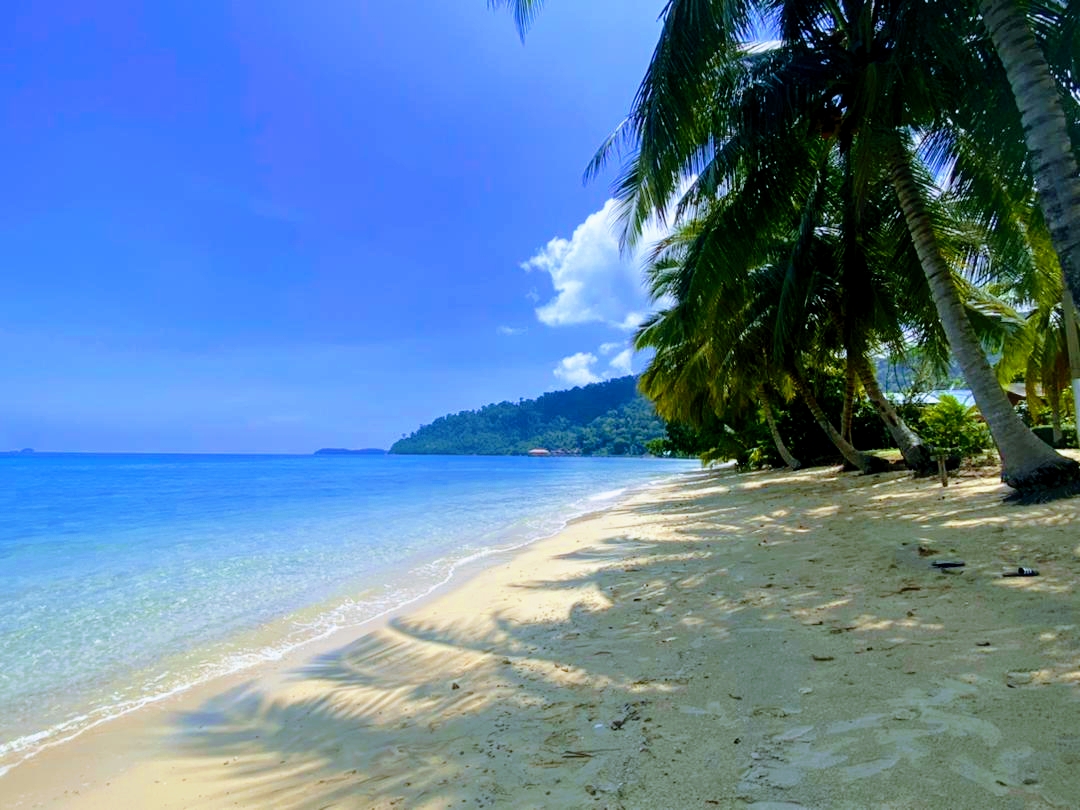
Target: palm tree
{"x": 736, "y": 303}
{"x": 681, "y": 383}
{"x": 684, "y": 379}
{"x": 1046, "y": 130}
{"x": 524, "y": 11}
{"x": 840, "y": 76}
{"x": 886, "y": 76}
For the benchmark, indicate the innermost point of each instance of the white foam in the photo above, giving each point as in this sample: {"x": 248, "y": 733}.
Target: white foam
{"x": 607, "y": 496}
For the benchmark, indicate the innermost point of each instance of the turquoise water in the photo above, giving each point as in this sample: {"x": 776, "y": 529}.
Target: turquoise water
{"x": 127, "y": 578}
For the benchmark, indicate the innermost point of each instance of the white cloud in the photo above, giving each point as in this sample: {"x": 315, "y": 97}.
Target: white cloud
{"x": 510, "y": 331}
{"x": 593, "y": 282}
{"x": 621, "y": 362}
{"x": 580, "y": 368}
{"x": 577, "y": 369}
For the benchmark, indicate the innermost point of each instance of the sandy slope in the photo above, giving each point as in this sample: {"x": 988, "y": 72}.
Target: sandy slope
{"x": 768, "y": 640}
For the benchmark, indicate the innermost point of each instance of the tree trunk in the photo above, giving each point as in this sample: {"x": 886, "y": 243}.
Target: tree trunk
{"x": 1027, "y": 463}
{"x": 1055, "y": 414}
{"x": 917, "y": 455}
{"x": 1072, "y": 344}
{"x": 781, "y": 448}
{"x": 863, "y": 462}
{"x": 849, "y": 400}
{"x": 1050, "y": 154}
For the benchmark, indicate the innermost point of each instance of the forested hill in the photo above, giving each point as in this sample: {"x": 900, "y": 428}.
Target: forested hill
{"x": 603, "y": 419}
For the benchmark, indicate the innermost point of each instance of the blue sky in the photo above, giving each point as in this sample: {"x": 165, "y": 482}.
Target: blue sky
{"x": 270, "y": 226}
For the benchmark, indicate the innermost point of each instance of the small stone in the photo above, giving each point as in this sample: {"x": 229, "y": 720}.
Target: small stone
{"x": 454, "y": 686}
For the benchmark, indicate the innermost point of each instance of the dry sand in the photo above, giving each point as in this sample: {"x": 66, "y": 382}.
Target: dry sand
{"x": 769, "y": 640}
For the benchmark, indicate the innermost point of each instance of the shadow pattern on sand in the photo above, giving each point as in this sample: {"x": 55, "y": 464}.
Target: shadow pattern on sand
{"x": 760, "y": 644}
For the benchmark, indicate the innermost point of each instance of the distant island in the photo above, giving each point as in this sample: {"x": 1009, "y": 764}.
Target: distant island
{"x": 341, "y": 451}
{"x": 26, "y": 451}
{"x": 603, "y": 419}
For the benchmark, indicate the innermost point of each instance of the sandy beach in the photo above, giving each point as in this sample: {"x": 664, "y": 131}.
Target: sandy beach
{"x": 769, "y": 640}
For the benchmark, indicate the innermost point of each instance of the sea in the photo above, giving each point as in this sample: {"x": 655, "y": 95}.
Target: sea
{"x": 125, "y": 579}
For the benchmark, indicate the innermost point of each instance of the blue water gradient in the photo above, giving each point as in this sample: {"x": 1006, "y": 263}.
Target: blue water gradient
{"x": 123, "y": 578}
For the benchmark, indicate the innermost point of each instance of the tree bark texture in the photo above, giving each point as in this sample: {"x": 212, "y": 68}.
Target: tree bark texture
{"x": 864, "y": 462}
{"x": 1050, "y": 154}
{"x": 1027, "y": 463}
{"x": 781, "y": 448}
{"x": 849, "y": 400}
{"x": 917, "y": 455}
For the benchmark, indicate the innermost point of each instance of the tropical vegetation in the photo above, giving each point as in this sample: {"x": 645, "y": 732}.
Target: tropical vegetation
{"x": 601, "y": 419}
{"x": 866, "y": 178}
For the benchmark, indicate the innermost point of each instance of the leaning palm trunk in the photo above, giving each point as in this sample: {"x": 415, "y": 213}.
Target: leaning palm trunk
{"x": 1049, "y": 148}
{"x": 863, "y": 462}
{"x": 917, "y": 455}
{"x": 781, "y": 448}
{"x": 1027, "y": 463}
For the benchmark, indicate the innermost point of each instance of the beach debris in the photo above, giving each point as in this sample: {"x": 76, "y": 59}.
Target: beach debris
{"x": 1015, "y": 679}
{"x": 944, "y": 564}
{"x": 818, "y": 657}
{"x": 454, "y": 685}
{"x": 603, "y": 787}
{"x": 926, "y": 551}
{"x": 1022, "y": 572}
{"x": 629, "y": 712}
{"x": 774, "y": 711}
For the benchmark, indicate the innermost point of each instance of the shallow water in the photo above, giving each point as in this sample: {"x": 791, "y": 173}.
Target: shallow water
{"x": 127, "y": 578}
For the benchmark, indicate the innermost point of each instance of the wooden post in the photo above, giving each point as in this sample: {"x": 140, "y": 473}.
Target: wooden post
{"x": 942, "y": 471}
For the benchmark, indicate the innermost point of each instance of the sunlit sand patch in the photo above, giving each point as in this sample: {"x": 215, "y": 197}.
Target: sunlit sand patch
{"x": 979, "y": 521}
{"x": 1040, "y": 584}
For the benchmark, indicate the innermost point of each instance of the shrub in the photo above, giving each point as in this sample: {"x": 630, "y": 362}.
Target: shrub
{"x": 1068, "y": 435}
{"x": 953, "y": 429}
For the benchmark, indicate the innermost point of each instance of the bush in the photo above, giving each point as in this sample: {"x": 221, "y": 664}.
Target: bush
{"x": 1068, "y": 435}
{"x": 953, "y": 429}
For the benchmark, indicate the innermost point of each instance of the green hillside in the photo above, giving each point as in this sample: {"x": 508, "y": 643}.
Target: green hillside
{"x": 603, "y": 419}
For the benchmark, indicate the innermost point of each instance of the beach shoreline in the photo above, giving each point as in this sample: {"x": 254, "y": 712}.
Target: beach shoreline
{"x": 726, "y": 640}
{"x": 383, "y": 589}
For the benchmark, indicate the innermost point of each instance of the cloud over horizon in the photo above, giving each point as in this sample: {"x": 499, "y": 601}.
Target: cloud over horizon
{"x": 594, "y": 282}
{"x": 577, "y": 369}
{"x": 580, "y": 368}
